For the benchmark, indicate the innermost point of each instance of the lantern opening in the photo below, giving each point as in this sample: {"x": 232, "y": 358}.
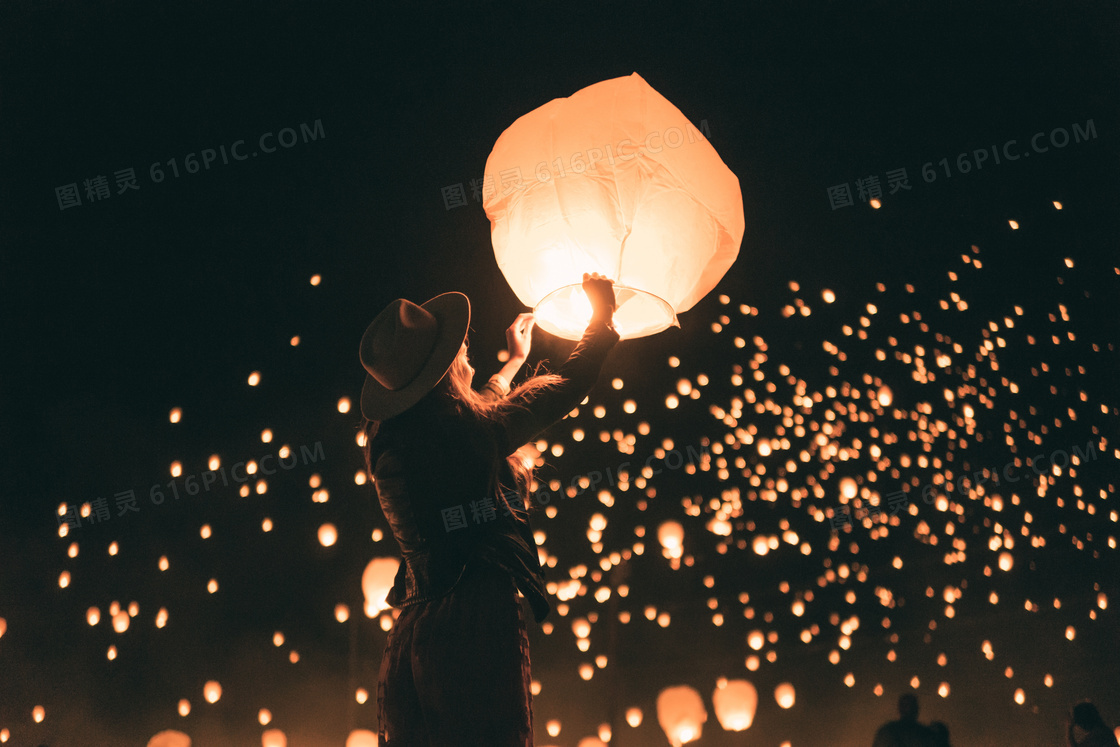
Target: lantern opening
{"x": 566, "y": 311}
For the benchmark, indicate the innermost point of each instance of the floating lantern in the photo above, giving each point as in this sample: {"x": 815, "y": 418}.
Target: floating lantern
{"x": 274, "y": 738}
{"x": 785, "y": 695}
{"x": 681, "y": 713}
{"x": 634, "y": 717}
{"x": 212, "y": 691}
{"x": 377, "y": 579}
{"x": 121, "y": 621}
{"x": 361, "y": 738}
{"x": 671, "y": 536}
{"x": 735, "y": 703}
{"x": 613, "y": 179}
{"x": 170, "y": 738}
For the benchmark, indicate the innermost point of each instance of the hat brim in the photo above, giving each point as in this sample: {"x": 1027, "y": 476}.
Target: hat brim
{"x": 453, "y": 312}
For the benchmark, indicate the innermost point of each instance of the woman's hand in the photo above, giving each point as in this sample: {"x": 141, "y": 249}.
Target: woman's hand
{"x": 600, "y": 291}
{"x": 519, "y": 337}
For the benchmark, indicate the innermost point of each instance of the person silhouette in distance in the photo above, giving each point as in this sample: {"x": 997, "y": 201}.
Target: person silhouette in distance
{"x": 905, "y": 731}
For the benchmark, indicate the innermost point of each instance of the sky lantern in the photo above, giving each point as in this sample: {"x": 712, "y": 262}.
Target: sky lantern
{"x": 785, "y": 695}
{"x": 212, "y": 691}
{"x": 613, "y": 179}
{"x": 170, "y": 738}
{"x": 274, "y": 738}
{"x": 377, "y": 579}
{"x": 671, "y": 536}
{"x": 735, "y": 703}
{"x": 361, "y": 738}
{"x": 681, "y": 713}
{"x": 328, "y": 535}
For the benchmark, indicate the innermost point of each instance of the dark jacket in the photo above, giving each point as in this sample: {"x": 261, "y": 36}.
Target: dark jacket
{"x": 439, "y": 496}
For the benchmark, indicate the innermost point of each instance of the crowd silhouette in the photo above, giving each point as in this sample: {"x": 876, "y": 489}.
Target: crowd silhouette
{"x": 1084, "y": 728}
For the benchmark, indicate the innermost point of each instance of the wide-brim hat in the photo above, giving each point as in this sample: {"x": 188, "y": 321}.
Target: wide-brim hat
{"x": 407, "y": 349}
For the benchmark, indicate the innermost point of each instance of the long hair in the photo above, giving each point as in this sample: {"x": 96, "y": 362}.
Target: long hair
{"x": 453, "y": 406}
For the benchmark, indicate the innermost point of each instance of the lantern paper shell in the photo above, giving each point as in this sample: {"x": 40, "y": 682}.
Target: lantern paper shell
{"x": 377, "y": 580}
{"x": 613, "y": 179}
{"x": 170, "y": 738}
{"x": 735, "y": 704}
{"x": 361, "y": 738}
{"x": 681, "y": 714}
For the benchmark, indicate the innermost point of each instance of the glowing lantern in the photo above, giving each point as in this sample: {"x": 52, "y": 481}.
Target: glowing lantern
{"x": 361, "y": 738}
{"x": 634, "y": 717}
{"x": 681, "y": 713}
{"x": 328, "y": 535}
{"x": 212, "y": 691}
{"x": 670, "y": 535}
{"x": 785, "y": 695}
{"x": 613, "y": 179}
{"x": 735, "y": 703}
{"x": 591, "y": 742}
{"x": 884, "y": 396}
{"x": 120, "y": 621}
{"x": 170, "y": 738}
{"x": 1006, "y": 560}
{"x": 377, "y": 579}
{"x": 274, "y": 738}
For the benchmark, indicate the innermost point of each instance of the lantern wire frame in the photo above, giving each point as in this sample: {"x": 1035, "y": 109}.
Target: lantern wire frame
{"x": 566, "y": 311}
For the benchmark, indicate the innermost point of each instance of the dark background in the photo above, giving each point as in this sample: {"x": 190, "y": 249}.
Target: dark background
{"x": 118, "y": 310}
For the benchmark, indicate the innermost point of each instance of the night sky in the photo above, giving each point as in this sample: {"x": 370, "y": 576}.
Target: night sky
{"x": 967, "y": 324}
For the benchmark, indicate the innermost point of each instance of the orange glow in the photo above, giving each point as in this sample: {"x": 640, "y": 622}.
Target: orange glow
{"x": 666, "y": 233}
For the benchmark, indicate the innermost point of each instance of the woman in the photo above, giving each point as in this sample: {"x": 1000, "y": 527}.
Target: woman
{"x": 442, "y": 457}
{"x": 1097, "y": 733}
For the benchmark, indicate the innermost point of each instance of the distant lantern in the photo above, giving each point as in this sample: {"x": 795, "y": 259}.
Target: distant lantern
{"x": 274, "y": 738}
{"x": 328, "y": 535}
{"x": 361, "y": 738}
{"x": 735, "y": 703}
{"x": 591, "y": 742}
{"x": 681, "y": 713}
{"x": 120, "y": 621}
{"x": 170, "y": 738}
{"x": 671, "y": 535}
{"x": 613, "y": 179}
{"x": 212, "y": 691}
{"x": 377, "y": 579}
{"x": 785, "y": 695}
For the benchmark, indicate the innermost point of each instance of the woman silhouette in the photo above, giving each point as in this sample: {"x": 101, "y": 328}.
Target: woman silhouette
{"x": 456, "y": 668}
